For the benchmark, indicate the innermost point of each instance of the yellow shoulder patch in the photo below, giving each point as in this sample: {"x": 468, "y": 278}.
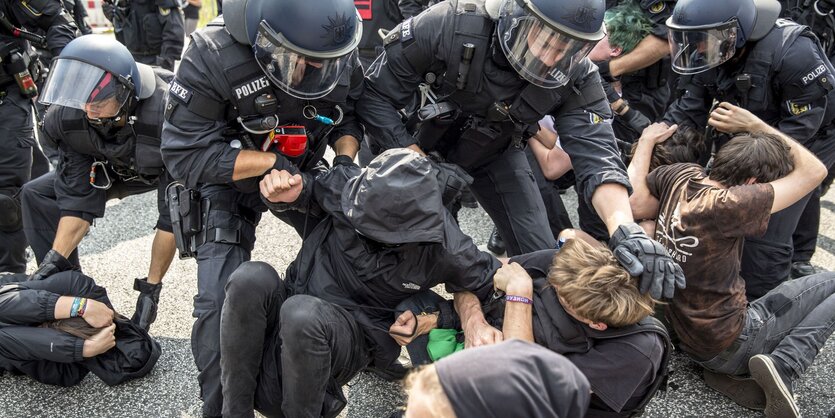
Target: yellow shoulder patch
{"x": 796, "y": 109}
{"x": 657, "y": 7}
{"x": 164, "y": 11}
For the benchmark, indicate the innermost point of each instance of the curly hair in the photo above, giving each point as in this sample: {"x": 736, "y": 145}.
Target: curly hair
{"x": 627, "y": 25}
{"x": 596, "y": 287}
{"x": 687, "y": 145}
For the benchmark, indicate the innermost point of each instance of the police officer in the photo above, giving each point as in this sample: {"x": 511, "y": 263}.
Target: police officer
{"x": 739, "y": 52}
{"x": 233, "y": 116}
{"x": 106, "y": 116}
{"x": 18, "y": 74}
{"x": 153, "y": 30}
{"x": 505, "y": 65}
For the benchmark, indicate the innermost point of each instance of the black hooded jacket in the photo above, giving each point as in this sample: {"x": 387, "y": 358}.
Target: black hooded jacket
{"x": 387, "y": 237}
{"x": 55, "y": 357}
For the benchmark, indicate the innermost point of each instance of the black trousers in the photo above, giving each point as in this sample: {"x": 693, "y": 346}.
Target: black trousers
{"x": 16, "y": 140}
{"x": 266, "y": 339}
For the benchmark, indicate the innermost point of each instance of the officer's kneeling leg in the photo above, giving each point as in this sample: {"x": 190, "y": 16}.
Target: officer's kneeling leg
{"x": 319, "y": 346}
{"x": 254, "y": 294}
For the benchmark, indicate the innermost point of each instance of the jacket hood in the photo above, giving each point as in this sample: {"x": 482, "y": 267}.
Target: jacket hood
{"x": 396, "y": 199}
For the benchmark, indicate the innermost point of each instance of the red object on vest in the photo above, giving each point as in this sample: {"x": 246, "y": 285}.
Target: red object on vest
{"x": 364, "y": 7}
{"x": 290, "y": 140}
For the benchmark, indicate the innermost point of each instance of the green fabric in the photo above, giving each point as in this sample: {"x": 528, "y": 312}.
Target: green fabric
{"x": 443, "y": 342}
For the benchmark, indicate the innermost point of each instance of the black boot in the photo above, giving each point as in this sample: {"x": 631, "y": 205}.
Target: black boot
{"x": 495, "y": 243}
{"x": 802, "y": 269}
{"x": 146, "y": 305}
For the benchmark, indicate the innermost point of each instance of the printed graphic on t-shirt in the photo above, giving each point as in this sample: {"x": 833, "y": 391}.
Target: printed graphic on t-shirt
{"x": 669, "y": 234}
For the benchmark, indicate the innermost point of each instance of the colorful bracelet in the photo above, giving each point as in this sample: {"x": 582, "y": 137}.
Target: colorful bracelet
{"x": 76, "y": 303}
{"x": 520, "y": 299}
{"x": 82, "y": 307}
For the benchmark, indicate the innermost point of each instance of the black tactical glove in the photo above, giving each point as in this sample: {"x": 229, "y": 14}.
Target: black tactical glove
{"x": 611, "y": 94}
{"x": 635, "y": 119}
{"x": 645, "y": 258}
{"x": 454, "y": 182}
{"x": 146, "y": 305}
{"x": 603, "y": 69}
{"x": 53, "y": 262}
{"x": 343, "y": 160}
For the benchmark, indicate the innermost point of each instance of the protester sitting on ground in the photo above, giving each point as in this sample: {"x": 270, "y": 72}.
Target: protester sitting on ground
{"x": 288, "y": 346}
{"x": 58, "y": 329}
{"x": 510, "y": 379}
{"x": 702, "y": 219}
{"x": 577, "y": 301}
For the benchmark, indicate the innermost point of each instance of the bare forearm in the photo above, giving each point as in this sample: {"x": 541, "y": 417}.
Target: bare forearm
{"x": 346, "y": 145}
{"x": 638, "y": 170}
{"x": 611, "y": 202}
{"x": 162, "y": 253}
{"x": 252, "y": 164}
{"x": 71, "y": 231}
{"x": 469, "y": 308}
{"x": 647, "y": 52}
{"x": 518, "y": 317}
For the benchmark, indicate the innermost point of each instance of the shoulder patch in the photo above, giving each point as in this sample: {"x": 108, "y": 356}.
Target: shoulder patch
{"x": 406, "y": 33}
{"x": 657, "y": 7}
{"x": 34, "y": 10}
{"x": 809, "y": 77}
{"x": 596, "y": 119}
{"x": 164, "y": 11}
{"x": 797, "y": 109}
{"x": 179, "y": 91}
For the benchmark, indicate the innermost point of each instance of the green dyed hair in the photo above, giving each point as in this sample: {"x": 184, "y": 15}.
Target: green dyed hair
{"x": 627, "y": 25}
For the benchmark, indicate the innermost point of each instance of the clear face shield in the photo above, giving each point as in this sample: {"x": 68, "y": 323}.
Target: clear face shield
{"x": 539, "y": 53}
{"x": 301, "y": 75}
{"x": 82, "y": 86}
{"x": 694, "y": 50}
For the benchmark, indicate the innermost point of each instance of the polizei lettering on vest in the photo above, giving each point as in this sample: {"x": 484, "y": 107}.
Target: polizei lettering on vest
{"x": 813, "y": 74}
{"x": 251, "y": 87}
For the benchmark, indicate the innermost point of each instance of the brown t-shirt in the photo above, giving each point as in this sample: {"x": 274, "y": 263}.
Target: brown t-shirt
{"x": 702, "y": 227}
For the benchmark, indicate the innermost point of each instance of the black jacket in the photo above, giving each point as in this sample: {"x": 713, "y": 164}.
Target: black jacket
{"x": 55, "y": 357}
{"x": 424, "y": 247}
{"x": 152, "y": 30}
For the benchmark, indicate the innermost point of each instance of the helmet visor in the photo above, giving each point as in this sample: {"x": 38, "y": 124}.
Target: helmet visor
{"x": 83, "y": 86}
{"x": 697, "y": 50}
{"x": 539, "y": 53}
{"x": 297, "y": 74}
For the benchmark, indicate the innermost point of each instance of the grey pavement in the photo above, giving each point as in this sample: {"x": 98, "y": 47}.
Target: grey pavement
{"x": 118, "y": 250}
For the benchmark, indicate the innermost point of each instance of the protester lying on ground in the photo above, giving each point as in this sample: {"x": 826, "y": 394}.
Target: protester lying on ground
{"x": 58, "y": 329}
{"x": 511, "y": 379}
{"x": 386, "y": 235}
{"x": 579, "y": 302}
{"x": 702, "y": 219}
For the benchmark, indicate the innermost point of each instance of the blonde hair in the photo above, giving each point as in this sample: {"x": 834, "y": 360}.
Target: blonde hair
{"x": 425, "y": 380}
{"x": 596, "y": 287}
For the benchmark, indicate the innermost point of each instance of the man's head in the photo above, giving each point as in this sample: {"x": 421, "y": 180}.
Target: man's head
{"x": 595, "y": 289}
{"x": 626, "y": 25}
{"x": 302, "y": 46}
{"x": 543, "y": 39}
{"x": 705, "y": 33}
{"x": 687, "y": 145}
{"x": 512, "y": 378}
{"x": 751, "y": 158}
{"x": 99, "y": 76}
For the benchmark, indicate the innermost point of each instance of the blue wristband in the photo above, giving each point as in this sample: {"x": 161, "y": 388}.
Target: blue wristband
{"x": 76, "y": 304}
{"x": 520, "y": 299}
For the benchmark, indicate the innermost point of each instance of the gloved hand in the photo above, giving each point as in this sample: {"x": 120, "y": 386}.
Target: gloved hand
{"x": 109, "y": 10}
{"x": 635, "y": 119}
{"x": 454, "y": 182}
{"x": 603, "y": 69}
{"x": 146, "y": 305}
{"x": 53, "y": 262}
{"x": 645, "y": 258}
{"x": 611, "y": 94}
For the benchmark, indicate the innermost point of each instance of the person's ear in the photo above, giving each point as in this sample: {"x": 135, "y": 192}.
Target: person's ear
{"x": 598, "y": 326}
{"x": 616, "y": 51}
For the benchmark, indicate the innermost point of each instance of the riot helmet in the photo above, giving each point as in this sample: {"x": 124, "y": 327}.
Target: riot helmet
{"x": 544, "y": 39}
{"x": 99, "y": 76}
{"x": 704, "y": 34}
{"x": 302, "y": 46}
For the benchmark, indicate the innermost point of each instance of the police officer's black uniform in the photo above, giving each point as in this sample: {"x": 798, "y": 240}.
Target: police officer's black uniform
{"x": 786, "y": 80}
{"x": 487, "y": 118}
{"x": 125, "y": 161}
{"x": 16, "y": 129}
{"x": 219, "y": 87}
{"x": 153, "y": 30}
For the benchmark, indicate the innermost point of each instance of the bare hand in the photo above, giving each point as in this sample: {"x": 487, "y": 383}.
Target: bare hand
{"x": 97, "y": 314}
{"x": 405, "y": 324}
{"x": 100, "y": 343}
{"x": 480, "y": 333}
{"x": 658, "y": 132}
{"x": 509, "y": 273}
{"x": 281, "y": 186}
{"x": 733, "y": 119}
